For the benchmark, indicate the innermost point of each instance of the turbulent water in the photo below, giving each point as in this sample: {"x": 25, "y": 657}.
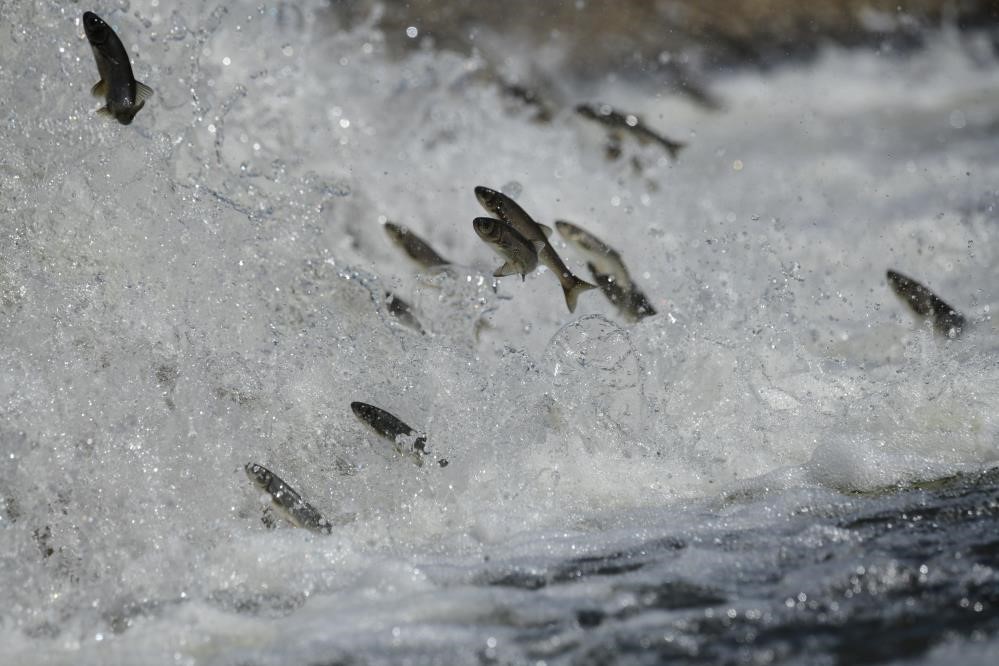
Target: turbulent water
{"x": 782, "y": 465}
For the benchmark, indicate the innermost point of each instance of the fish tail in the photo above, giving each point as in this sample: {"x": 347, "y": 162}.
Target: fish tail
{"x": 673, "y": 147}
{"x": 573, "y": 287}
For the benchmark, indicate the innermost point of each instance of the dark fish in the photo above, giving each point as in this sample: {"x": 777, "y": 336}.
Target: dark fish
{"x": 629, "y": 123}
{"x": 415, "y": 247}
{"x": 394, "y": 430}
{"x": 400, "y": 309}
{"x": 946, "y": 320}
{"x": 631, "y": 303}
{"x": 123, "y": 95}
{"x": 510, "y": 212}
{"x": 609, "y": 271}
{"x": 520, "y": 253}
{"x": 286, "y": 501}
{"x": 529, "y": 97}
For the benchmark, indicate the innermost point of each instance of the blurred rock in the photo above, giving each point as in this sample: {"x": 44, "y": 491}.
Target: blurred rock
{"x": 600, "y": 36}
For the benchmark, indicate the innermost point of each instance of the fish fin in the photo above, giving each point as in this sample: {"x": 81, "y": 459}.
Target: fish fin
{"x": 104, "y": 111}
{"x": 509, "y": 268}
{"x": 545, "y": 229}
{"x": 573, "y": 291}
{"x": 100, "y": 89}
{"x": 540, "y": 245}
{"x": 142, "y": 92}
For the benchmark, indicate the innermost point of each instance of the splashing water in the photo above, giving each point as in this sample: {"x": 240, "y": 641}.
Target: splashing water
{"x": 207, "y": 287}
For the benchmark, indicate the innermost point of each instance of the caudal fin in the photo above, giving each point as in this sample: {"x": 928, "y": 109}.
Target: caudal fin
{"x": 573, "y": 287}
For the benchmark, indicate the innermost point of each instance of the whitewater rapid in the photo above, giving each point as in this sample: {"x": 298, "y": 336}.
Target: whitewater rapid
{"x": 206, "y": 288}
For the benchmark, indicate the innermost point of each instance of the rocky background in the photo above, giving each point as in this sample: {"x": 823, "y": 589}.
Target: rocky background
{"x": 637, "y": 34}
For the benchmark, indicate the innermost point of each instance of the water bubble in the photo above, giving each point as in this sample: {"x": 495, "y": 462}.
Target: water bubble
{"x": 412, "y": 32}
{"x": 513, "y": 189}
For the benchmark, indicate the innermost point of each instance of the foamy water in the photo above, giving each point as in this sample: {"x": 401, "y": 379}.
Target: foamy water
{"x": 206, "y": 288}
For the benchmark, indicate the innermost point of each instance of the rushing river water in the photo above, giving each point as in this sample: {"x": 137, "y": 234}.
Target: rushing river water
{"x": 781, "y": 465}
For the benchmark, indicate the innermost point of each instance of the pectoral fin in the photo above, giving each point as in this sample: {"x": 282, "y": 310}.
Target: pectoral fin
{"x": 142, "y": 91}
{"x": 545, "y": 229}
{"x": 539, "y": 245}
{"x": 104, "y": 111}
{"x": 509, "y": 268}
{"x": 100, "y": 89}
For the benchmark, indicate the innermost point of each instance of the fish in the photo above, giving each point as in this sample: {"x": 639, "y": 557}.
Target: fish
{"x": 629, "y": 123}
{"x": 123, "y": 95}
{"x": 608, "y": 271}
{"x": 415, "y": 247}
{"x": 529, "y": 97}
{"x": 521, "y": 254}
{"x": 631, "y": 303}
{"x": 507, "y": 210}
{"x": 400, "y": 309}
{"x": 946, "y": 320}
{"x": 286, "y": 501}
{"x": 394, "y": 430}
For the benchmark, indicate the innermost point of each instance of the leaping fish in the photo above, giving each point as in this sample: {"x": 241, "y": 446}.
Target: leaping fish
{"x": 286, "y": 501}
{"x": 510, "y": 212}
{"x": 401, "y": 310}
{"x": 946, "y": 320}
{"x": 521, "y": 254}
{"x": 123, "y": 95}
{"x": 609, "y": 271}
{"x": 394, "y": 430}
{"x": 630, "y": 123}
{"x": 415, "y": 247}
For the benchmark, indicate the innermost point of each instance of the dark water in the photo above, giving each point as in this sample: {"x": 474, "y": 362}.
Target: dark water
{"x": 856, "y": 580}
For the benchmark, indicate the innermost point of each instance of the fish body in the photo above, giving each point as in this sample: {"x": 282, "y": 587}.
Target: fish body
{"x": 415, "y": 247}
{"x": 507, "y": 210}
{"x": 630, "y": 123}
{"x": 631, "y": 303}
{"x": 400, "y": 309}
{"x": 608, "y": 271}
{"x": 521, "y": 254}
{"x": 946, "y": 320}
{"x": 286, "y": 501}
{"x": 123, "y": 95}
{"x": 391, "y": 428}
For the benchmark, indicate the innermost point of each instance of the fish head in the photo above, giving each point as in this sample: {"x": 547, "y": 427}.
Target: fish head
{"x": 397, "y": 233}
{"x": 487, "y": 228}
{"x": 567, "y": 229}
{"x": 259, "y": 474}
{"x": 491, "y": 200}
{"x": 125, "y": 113}
{"x": 98, "y": 32}
{"x": 362, "y": 410}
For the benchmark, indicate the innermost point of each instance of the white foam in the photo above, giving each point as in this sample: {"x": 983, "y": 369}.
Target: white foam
{"x": 202, "y": 289}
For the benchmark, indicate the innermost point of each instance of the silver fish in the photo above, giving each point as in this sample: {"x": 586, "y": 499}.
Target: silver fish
{"x": 631, "y": 303}
{"x": 415, "y": 247}
{"x": 608, "y": 271}
{"x": 394, "y": 430}
{"x": 400, "y": 309}
{"x": 123, "y": 95}
{"x": 521, "y": 254}
{"x": 507, "y": 210}
{"x": 946, "y": 320}
{"x": 630, "y": 123}
{"x": 286, "y": 501}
